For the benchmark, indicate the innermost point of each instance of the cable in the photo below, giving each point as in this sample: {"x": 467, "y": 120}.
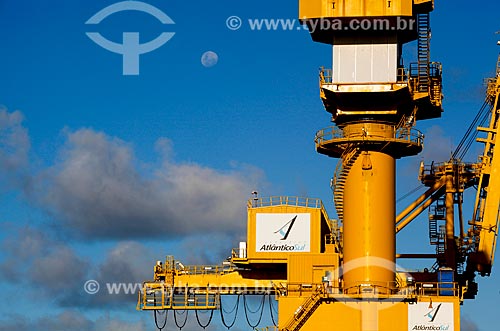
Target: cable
{"x": 261, "y": 306}
{"x": 464, "y": 144}
{"x": 470, "y": 129}
{"x": 165, "y": 312}
{"x": 232, "y": 310}
{"x": 209, "y": 319}
{"x": 251, "y": 311}
{"x": 471, "y": 133}
{"x": 271, "y": 311}
{"x": 415, "y": 190}
{"x": 185, "y": 319}
{"x": 486, "y": 115}
{"x": 236, "y": 307}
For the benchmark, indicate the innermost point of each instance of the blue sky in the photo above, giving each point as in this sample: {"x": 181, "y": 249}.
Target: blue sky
{"x": 103, "y": 174}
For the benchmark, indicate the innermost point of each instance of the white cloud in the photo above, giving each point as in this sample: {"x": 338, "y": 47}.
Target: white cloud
{"x": 126, "y": 263}
{"x": 109, "y": 324}
{"x": 205, "y": 250}
{"x": 70, "y": 320}
{"x": 14, "y": 148}
{"x": 97, "y": 190}
{"x": 466, "y": 324}
{"x": 438, "y": 146}
{"x": 58, "y": 271}
{"x": 31, "y": 257}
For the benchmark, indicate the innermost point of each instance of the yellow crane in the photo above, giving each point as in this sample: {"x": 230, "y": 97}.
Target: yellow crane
{"x": 342, "y": 274}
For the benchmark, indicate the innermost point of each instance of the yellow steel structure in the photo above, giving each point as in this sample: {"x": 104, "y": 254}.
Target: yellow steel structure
{"x": 485, "y": 220}
{"x": 369, "y": 217}
{"x": 341, "y": 274}
{"x": 354, "y": 8}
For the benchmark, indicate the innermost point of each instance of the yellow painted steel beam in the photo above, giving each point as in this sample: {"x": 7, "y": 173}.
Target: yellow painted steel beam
{"x": 486, "y": 208}
{"x": 416, "y": 256}
{"x": 369, "y": 214}
{"x": 450, "y": 248}
{"x": 438, "y": 185}
{"x": 419, "y": 210}
{"x": 354, "y": 8}
{"x": 461, "y": 217}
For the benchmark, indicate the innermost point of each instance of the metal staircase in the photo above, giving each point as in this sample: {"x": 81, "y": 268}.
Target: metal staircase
{"x": 433, "y": 231}
{"x": 440, "y": 247}
{"x": 437, "y": 232}
{"x": 339, "y": 180}
{"x": 437, "y": 213}
{"x": 424, "y": 37}
{"x": 304, "y": 312}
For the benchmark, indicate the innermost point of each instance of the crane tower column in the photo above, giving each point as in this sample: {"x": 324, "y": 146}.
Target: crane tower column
{"x": 369, "y": 219}
{"x": 374, "y": 102}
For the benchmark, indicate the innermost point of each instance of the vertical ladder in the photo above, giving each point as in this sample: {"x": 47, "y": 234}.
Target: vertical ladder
{"x": 424, "y": 37}
{"x": 433, "y": 230}
{"x": 437, "y": 231}
{"x": 440, "y": 248}
{"x": 170, "y": 270}
{"x": 436, "y": 93}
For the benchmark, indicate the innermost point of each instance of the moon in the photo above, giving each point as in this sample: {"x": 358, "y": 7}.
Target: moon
{"x": 209, "y": 59}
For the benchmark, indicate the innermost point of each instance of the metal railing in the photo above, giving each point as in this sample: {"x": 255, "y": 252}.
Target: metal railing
{"x": 401, "y": 134}
{"x": 428, "y": 81}
{"x": 437, "y": 289}
{"x": 402, "y": 76}
{"x": 389, "y": 288}
{"x": 435, "y": 70}
{"x": 239, "y": 253}
{"x": 285, "y": 201}
{"x": 491, "y": 89}
{"x": 384, "y": 290}
{"x": 163, "y": 297}
{"x": 176, "y": 267}
{"x": 326, "y": 75}
{"x": 204, "y": 269}
{"x": 452, "y": 166}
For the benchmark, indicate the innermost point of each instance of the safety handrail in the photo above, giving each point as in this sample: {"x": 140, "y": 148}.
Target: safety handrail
{"x": 435, "y": 70}
{"x": 286, "y": 201}
{"x": 204, "y": 269}
{"x": 164, "y": 297}
{"x": 363, "y": 288}
{"x": 326, "y": 74}
{"x": 403, "y": 134}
